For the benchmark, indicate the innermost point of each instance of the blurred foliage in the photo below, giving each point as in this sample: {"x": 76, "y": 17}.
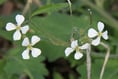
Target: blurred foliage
{"x": 110, "y": 72}
{"x": 2, "y": 1}
{"x": 54, "y": 24}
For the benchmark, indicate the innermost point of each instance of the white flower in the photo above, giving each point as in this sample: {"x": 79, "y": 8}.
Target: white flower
{"x": 76, "y": 48}
{"x": 35, "y": 52}
{"x": 19, "y": 20}
{"x": 92, "y": 33}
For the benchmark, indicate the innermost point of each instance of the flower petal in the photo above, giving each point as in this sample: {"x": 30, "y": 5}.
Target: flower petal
{"x": 19, "y": 19}
{"x": 85, "y": 46}
{"x": 35, "y": 39}
{"x": 10, "y": 26}
{"x": 105, "y": 35}
{"x": 100, "y": 26}
{"x": 25, "y": 42}
{"x": 25, "y": 29}
{"x": 92, "y": 33}
{"x": 25, "y": 54}
{"x": 68, "y": 51}
{"x": 78, "y": 55}
{"x": 96, "y": 41}
{"x": 74, "y": 44}
{"x": 35, "y": 52}
{"x": 17, "y": 35}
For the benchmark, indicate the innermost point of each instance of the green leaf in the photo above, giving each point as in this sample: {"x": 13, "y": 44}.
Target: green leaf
{"x": 3, "y": 21}
{"x": 51, "y": 51}
{"x": 2, "y": 73}
{"x": 50, "y": 8}
{"x": 57, "y": 28}
{"x": 55, "y": 31}
{"x": 56, "y": 75}
{"x": 33, "y": 67}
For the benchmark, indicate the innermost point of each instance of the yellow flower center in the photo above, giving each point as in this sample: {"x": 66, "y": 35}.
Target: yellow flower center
{"x": 100, "y": 34}
{"x": 18, "y": 27}
{"x": 77, "y": 48}
{"x": 29, "y": 46}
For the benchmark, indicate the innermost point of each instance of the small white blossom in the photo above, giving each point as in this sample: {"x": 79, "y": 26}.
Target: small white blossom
{"x": 19, "y": 20}
{"x": 35, "y": 52}
{"x": 76, "y": 48}
{"x": 92, "y": 33}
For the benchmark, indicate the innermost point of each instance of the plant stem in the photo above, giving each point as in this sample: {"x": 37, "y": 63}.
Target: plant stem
{"x": 108, "y": 19}
{"x": 27, "y": 6}
{"x": 105, "y": 60}
{"x": 88, "y": 60}
{"x": 101, "y": 55}
{"x": 70, "y": 6}
{"x": 37, "y": 2}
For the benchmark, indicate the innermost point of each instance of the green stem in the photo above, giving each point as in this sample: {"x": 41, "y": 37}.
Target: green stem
{"x": 70, "y": 6}
{"x": 108, "y": 19}
{"x": 90, "y": 16}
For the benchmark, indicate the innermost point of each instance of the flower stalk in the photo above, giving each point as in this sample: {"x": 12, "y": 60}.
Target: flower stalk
{"x": 88, "y": 61}
{"x": 105, "y": 60}
{"x": 70, "y": 6}
{"x": 27, "y": 6}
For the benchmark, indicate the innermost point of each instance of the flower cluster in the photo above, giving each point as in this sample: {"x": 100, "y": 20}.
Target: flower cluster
{"x": 20, "y": 30}
{"x": 35, "y": 52}
{"x": 92, "y": 33}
